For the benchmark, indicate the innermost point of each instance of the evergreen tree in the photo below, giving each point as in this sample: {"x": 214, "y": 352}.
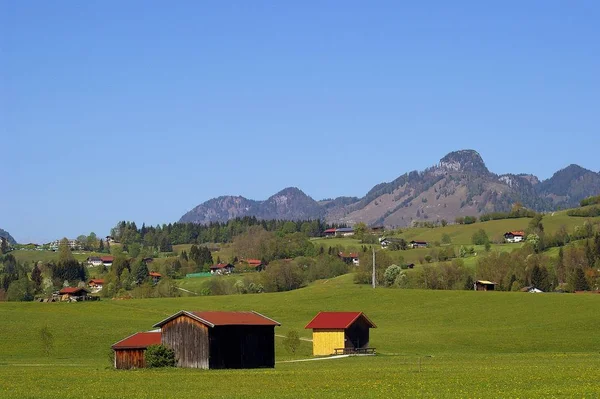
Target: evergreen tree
{"x": 579, "y": 281}
{"x": 36, "y": 277}
{"x": 139, "y": 272}
{"x": 101, "y": 246}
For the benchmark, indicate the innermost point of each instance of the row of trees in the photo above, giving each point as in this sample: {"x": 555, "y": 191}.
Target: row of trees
{"x": 191, "y": 233}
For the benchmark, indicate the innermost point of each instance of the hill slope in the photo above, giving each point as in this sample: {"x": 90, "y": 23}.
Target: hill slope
{"x": 6, "y": 234}
{"x": 459, "y": 185}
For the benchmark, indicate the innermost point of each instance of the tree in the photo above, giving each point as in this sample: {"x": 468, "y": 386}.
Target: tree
{"x": 20, "y": 290}
{"x": 579, "y": 281}
{"x": 36, "y": 277}
{"x": 101, "y": 246}
{"x": 292, "y": 341}
{"x": 539, "y": 278}
{"x": 160, "y": 356}
{"x": 64, "y": 251}
{"x": 390, "y": 274}
{"x": 139, "y": 272}
{"x": 359, "y": 230}
{"x": 91, "y": 242}
{"x": 46, "y": 340}
{"x": 446, "y": 239}
{"x": 444, "y": 222}
{"x": 480, "y": 237}
{"x": 3, "y": 245}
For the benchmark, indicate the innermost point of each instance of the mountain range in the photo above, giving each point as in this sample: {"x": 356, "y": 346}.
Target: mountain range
{"x": 459, "y": 185}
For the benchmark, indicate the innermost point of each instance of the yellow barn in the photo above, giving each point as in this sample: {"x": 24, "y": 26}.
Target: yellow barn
{"x": 340, "y": 332}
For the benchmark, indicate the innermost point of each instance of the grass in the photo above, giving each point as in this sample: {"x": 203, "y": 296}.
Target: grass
{"x": 32, "y": 256}
{"x": 495, "y": 344}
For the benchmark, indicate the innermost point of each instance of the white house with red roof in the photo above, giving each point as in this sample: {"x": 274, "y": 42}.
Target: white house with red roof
{"x": 514, "y": 236}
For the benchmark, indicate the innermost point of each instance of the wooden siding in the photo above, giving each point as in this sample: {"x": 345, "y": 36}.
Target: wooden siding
{"x": 130, "y": 358}
{"x": 242, "y": 347}
{"x": 325, "y": 341}
{"x": 190, "y": 341}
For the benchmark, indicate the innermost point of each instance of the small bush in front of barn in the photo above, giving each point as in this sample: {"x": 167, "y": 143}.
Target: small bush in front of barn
{"x": 160, "y": 356}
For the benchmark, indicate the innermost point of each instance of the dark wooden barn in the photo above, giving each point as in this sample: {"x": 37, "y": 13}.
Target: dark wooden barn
{"x": 130, "y": 352}
{"x": 340, "y": 332}
{"x": 220, "y": 340}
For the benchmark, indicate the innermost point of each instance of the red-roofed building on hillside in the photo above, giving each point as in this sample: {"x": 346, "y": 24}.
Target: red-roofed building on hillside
{"x": 351, "y": 257}
{"x": 96, "y": 284}
{"x": 329, "y": 233}
{"x": 340, "y": 332}
{"x": 155, "y": 277}
{"x": 107, "y": 260}
{"x": 130, "y": 352}
{"x": 514, "y": 236}
{"x": 73, "y": 292}
{"x": 220, "y": 340}
{"x": 255, "y": 264}
{"x": 222, "y": 268}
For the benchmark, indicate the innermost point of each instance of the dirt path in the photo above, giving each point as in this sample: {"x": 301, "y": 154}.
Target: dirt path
{"x": 301, "y": 339}
{"x": 314, "y": 359}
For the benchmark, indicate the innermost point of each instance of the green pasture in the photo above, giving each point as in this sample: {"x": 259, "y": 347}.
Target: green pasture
{"x": 468, "y": 344}
{"x": 32, "y": 256}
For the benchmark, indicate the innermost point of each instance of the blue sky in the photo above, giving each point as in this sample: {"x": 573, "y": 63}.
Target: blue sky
{"x": 140, "y": 110}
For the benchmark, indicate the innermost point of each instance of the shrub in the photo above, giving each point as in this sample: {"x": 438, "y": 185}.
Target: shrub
{"x": 390, "y": 274}
{"x": 160, "y": 356}
{"x": 292, "y": 341}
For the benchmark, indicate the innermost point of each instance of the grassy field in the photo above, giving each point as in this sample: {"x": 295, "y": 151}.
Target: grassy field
{"x": 49, "y": 256}
{"x": 469, "y": 344}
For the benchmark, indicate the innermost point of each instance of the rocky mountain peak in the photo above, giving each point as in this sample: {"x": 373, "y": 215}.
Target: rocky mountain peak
{"x": 464, "y": 161}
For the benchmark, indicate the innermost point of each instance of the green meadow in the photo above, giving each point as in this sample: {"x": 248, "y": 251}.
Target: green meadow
{"x": 429, "y": 344}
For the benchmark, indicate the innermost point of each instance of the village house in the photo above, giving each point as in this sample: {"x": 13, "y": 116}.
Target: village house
{"x": 94, "y": 261}
{"x": 220, "y": 340}
{"x": 418, "y": 244}
{"x": 107, "y": 260}
{"x": 222, "y": 268}
{"x": 514, "y": 236}
{"x": 344, "y": 232}
{"x": 351, "y": 257}
{"x": 255, "y": 264}
{"x": 340, "y": 333}
{"x": 329, "y": 233}
{"x": 484, "y": 285}
{"x": 130, "y": 352}
{"x": 155, "y": 277}
{"x": 96, "y": 285}
{"x": 73, "y": 294}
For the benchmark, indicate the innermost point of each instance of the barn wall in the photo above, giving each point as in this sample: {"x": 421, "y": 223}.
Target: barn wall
{"x": 129, "y": 358}
{"x": 234, "y": 347}
{"x": 325, "y": 341}
{"x": 189, "y": 339}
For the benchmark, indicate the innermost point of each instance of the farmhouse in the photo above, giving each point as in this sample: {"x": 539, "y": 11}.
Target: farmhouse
{"x": 329, "y": 233}
{"x": 107, "y": 260}
{"x": 255, "y": 264}
{"x": 514, "y": 236}
{"x": 73, "y": 294}
{"x": 221, "y": 268}
{"x": 220, "y": 340}
{"x": 484, "y": 285}
{"x": 344, "y": 232}
{"x": 155, "y": 277}
{"x": 96, "y": 284}
{"x": 418, "y": 244}
{"x": 340, "y": 332}
{"x": 94, "y": 261}
{"x": 130, "y": 352}
{"x": 351, "y": 257}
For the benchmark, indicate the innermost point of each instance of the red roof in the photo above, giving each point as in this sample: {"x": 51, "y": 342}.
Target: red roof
{"x": 254, "y": 262}
{"x": 337, "y": 320}
{"x": 107, "y": 258}
{"x": 139, "y": 340}
{"x": 71, "y": 290}
{"x": 350, "y": 255}
{"x": 330, "y": 231}
{"x": 155, "y": 274}
{"x": 221, "y": 266}
{"x": 213, "y": 319}
{"x": 96, "y": 281}
{"x": 517, "y": 233}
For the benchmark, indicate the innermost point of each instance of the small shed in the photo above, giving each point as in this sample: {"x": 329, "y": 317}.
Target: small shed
{"x": 335, "y": 332}
{"x": 130, "y": 352}
{"x": 484, "y": 285}
{"x": 220, "y": 340}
